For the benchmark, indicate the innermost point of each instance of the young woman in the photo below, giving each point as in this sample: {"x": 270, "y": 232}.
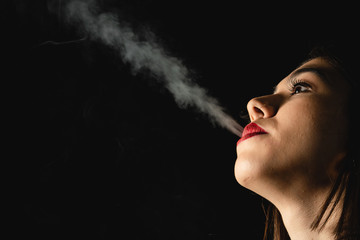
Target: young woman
{"x": 300, "y": 151}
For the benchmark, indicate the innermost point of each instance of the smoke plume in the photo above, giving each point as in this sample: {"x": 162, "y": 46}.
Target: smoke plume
{"x": 147, "y": 54}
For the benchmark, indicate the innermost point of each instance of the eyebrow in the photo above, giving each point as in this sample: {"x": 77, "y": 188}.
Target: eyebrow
{"x": 299, "y": 71}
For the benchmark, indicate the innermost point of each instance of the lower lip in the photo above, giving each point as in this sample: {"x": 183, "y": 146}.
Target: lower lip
{"x": 249, "y": 136}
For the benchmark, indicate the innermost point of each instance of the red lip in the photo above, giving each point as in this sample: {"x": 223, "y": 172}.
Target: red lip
{"x": 251, "y": 130}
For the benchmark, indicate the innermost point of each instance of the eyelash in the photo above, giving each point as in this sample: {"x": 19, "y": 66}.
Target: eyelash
{"x": 294, "y": 84}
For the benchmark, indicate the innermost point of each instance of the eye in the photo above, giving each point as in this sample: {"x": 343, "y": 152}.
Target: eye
{"x": 299, "y": 87}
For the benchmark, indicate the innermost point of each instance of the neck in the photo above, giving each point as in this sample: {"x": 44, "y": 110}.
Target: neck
{"x": 298, "y": 213}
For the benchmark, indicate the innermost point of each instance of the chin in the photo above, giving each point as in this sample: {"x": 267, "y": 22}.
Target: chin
{"x": 254, "y": 169}
{"x": 246, "y": 172}
{"x": 254, "y": 160}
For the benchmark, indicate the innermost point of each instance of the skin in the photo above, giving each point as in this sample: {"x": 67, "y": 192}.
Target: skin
{"x": 294, "y": 166}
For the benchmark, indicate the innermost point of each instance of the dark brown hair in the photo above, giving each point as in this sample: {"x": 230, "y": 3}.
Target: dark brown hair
{"x": 346, "y": 188}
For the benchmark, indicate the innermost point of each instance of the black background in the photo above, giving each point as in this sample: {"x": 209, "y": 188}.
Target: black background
{"x": 102, "y": 154}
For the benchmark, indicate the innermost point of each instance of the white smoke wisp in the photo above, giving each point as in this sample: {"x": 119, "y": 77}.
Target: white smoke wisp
{"x": 147, "y": 55}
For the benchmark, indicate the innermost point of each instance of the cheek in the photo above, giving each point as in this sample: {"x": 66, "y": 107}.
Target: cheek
{"x": 299, "y": 131}
{"x": 297, "y": 125}
{"x": 310, "y": 135}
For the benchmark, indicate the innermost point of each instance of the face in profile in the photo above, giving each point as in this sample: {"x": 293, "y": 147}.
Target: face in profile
{"x": 304, "y": 133}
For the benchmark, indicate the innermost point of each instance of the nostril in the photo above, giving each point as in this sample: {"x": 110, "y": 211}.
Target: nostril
{"x": 259, "y": 113}
{"x": 256, "y": 113}
{"x": 258, "y": 110}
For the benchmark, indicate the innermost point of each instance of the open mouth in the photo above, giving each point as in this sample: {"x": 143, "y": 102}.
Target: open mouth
{"x": 251, "y": 130}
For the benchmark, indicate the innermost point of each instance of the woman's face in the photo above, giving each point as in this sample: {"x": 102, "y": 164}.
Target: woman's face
{"x": 306, "y": 125}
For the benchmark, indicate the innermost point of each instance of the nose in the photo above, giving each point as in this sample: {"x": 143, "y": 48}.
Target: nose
{"x": 262, "y": 107}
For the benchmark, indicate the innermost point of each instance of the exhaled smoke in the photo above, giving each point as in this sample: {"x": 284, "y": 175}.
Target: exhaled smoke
{"x": 149, "y": 55}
